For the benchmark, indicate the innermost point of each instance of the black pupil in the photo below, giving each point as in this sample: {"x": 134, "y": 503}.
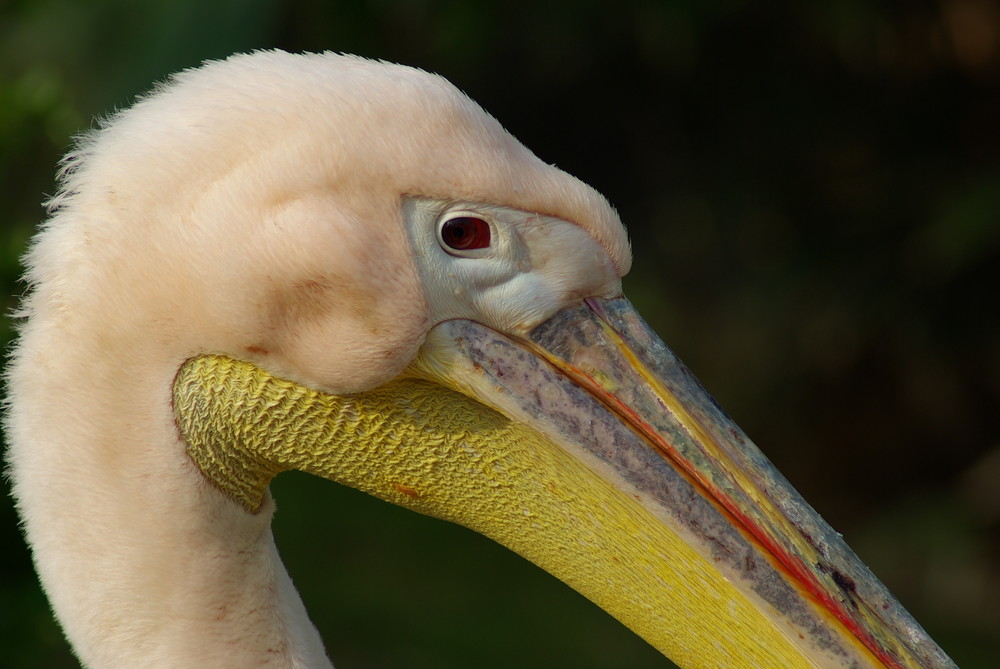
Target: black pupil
{"x": 466, "y": 232}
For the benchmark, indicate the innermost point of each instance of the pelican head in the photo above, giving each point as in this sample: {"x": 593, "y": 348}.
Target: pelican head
{"x": 326, "y": 263}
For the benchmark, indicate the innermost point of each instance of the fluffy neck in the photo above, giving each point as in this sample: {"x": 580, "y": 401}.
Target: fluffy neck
{"x": 144, "y": 563}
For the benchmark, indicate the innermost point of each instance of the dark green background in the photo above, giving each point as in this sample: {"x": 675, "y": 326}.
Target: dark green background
{"x": 813, "y": 192}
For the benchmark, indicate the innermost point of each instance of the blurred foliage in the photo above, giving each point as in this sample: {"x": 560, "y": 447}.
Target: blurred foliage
{"x": 813, "y": 192}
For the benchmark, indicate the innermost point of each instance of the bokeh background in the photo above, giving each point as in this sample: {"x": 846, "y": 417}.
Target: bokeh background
{"x": 813, "y": 193}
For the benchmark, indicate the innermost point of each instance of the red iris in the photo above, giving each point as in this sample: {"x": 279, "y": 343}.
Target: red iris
{"x": 464, "y": 233}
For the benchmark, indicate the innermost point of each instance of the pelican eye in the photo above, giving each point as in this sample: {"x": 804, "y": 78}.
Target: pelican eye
{"x": 464, "y": 233}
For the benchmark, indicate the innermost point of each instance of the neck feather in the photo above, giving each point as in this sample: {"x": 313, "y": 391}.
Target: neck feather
{"x": 145, "y": 564}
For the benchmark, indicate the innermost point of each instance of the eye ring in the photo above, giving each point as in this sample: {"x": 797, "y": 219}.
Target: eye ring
{"x": 464, "y": 231}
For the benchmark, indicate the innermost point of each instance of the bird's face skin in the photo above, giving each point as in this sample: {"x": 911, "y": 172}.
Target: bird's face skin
{"x": 520, "y": 269}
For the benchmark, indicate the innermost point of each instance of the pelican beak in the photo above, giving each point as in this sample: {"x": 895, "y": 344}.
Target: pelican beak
{"x": 666, "y": 514}
{"x": 587, "y": 447}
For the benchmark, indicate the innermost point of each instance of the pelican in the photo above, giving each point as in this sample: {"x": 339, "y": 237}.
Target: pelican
{"x": 342, "y": 266}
